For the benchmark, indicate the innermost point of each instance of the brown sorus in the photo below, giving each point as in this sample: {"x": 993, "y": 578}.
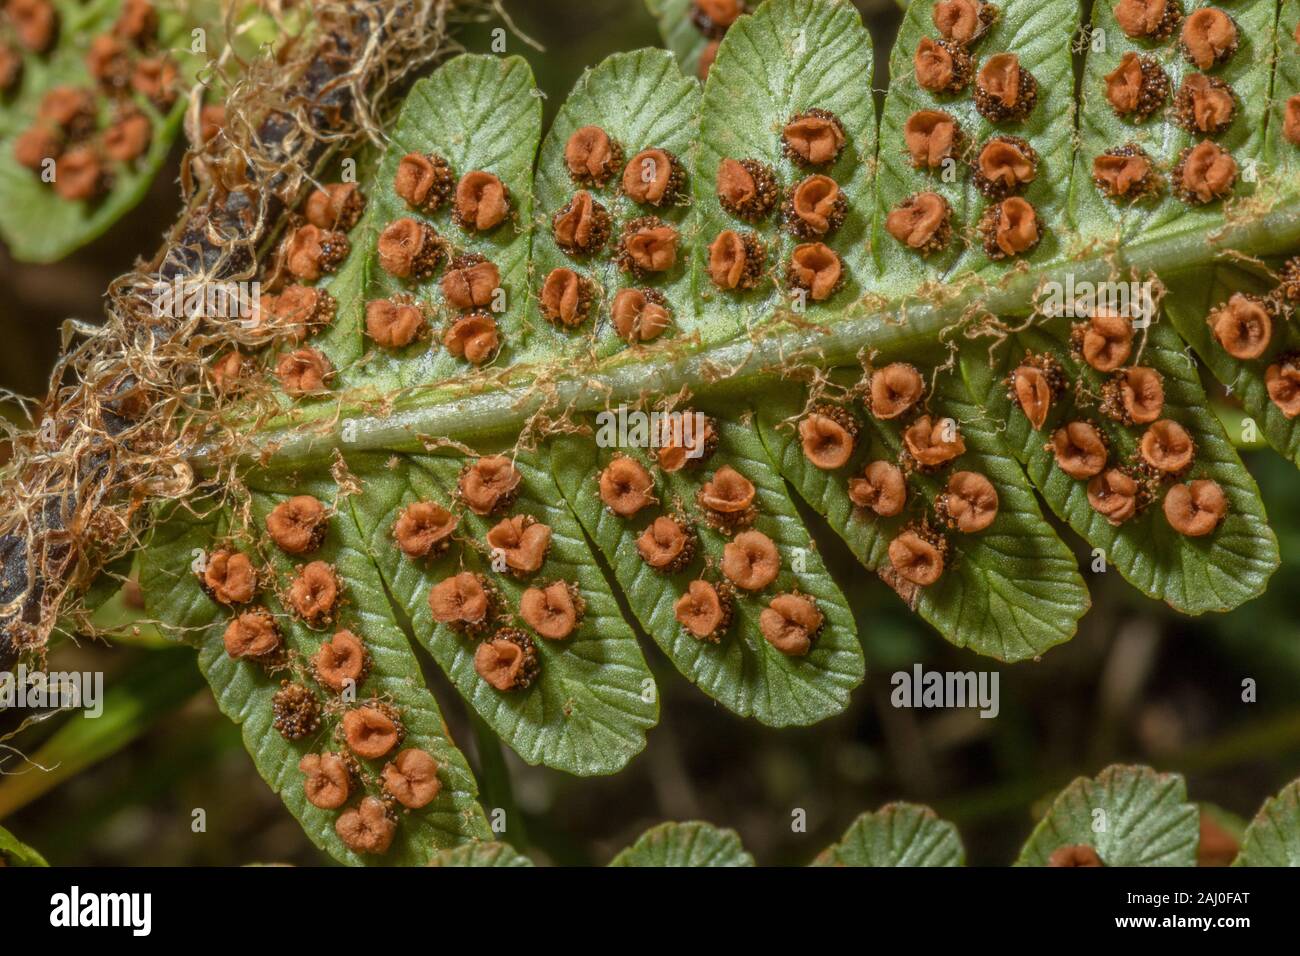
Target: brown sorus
{"x": 747, "y": 188}
{"x": 1077, "y": 854}
{"x": 464, "y": 602}
{"x": 138, "y": 22}
{"x": 592, "y": 156}
{"x": 751, "y": 561}
{"x": 1166, "y": 446}
{"x": 300, "y": 310}
{"x": 304, "y": 372}
{"x": 1036, "y": 384}
{"x": 1243, "y": 326}
{"x": 128, "y": 137}
{"x": 489, "y": 484}
{"x": 667, "y": 544}
{"x": 1125, "y": 172}
{"x": 1204, "y": 173}
{"x": 473, "y": 337}
{"x": 482, "y": 201}
{"x": 81, "y": 175}
{"x": 1005, "y": 165}
{"x": 566, "y": 297}
{"x": 367, "y": 827}
{"x": 508, "y": 660}
{"x": 1208, "y": 38}
{"x": 894, "y": 389}
{"x": 814, "y": 137}
{"x": 1104, "y": 341}
{"x": 736, "y": 260}
{"x": 328, "y": 780}
{"x": 309, "y": 252}
{"x": 1137, "y": 87}
{"x": 713, "y": 17}
{"x": 881, "y": 488}
{"x": 411, "y": 778}
{"x": 581, "y": 226}
{"x": 932, "y": 137}
{"x": 1204, "y": 104}
{"x": 1010, "y": 228}
{"x": 107, "y": 62}
{"x": 253, "y": 635}
{"x": 815, "y": 207}
{"x": 654, "y": 177}
{"x": 963, "y": 21}
{"x": 969, "y": 504}
{"x": 553, "y": 610}
{"x": 298, "y": 525}
{"x": 816, "y": 270}
{"x": 409, "y": 249}
{"x": 922, "y": 221}
{"x": 728, "y": 500}
{"x": 1134, "y": 396}
{"x": 941, "y": 66}
{"x": 705, "y": 611}
{"x": 229, "y": 577}
{"x": 918, "y": 554}
{"x": 227, "y": 371}
{"x": 626, "y": 486}
{"x": 424, "y": 181}
{"x": 314, "y": 593}
{"x": 394, "y": 323}
{"x": 791, "y": 622}
{"x": 1197, "y": 508}
{"x": 930, "y": 443}
{"x": 1114, "y": 494}
{"x": 35, "y": 22}
{"x": 522, "y": 541}
{"x": 71, "y": 109}
{"x": 1282, "y": 379}
{"x": 647, "y": 245}
{"x": 640, "y": 315}
{"x": 1149, "y": 19}
{"x": 338, "y": 206}
{"x": 295, "y": 712}
{"x": 372, "y": 729}
{"x": 1005, "y": 90}
{"x": 678, "y": 450}
{"x": 342, "y": 661}
{"x": 155, "y": 78}
{"x": 1291, "y": 119}
{"x": 39, "y": 142}
{"x": 1080, "y": 449}
{"x": 424, "y": 529}
{"x": 828, "y": 435}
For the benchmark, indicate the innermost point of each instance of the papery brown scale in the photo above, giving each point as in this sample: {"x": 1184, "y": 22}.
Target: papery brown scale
{"x": 827, "y": 442}
{"x": 393, "y": 324}
{"x": 328, "y": 781}
{"x": 933, "y": 442}
{"x": 298, "y": 525}
{"x": 1142, "y": 392}
{"x": 816, "y": 269}
{"x": 971, "y": 501}
{"x": 230, "y": 578}
{"x": 490, "y": 483}
{"x": 314, "y": 593}
{"x": 304, "y": 372}
{"x": 916, "y": 559}
{"x": 639, "y": 315}
{"x": 460, "y": 599}
{"x": 370, "y": 732}
{"x": 702, "y": 611}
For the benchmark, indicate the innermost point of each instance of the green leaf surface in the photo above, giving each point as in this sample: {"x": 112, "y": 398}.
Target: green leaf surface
{"x": 490, "y": 854}
{"x": 685, "y": 844}
{"x": 1212, "y": 573}
{"x": 898, "y": 834}
{"x": 1273, "y": 837}
{"x": 13, "y": 852}
{"x": 1131, "y": 816}
{"x": 743, "y": 671}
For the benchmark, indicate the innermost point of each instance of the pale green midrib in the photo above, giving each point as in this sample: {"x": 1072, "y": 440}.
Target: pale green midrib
{"x": 469, "y": 412}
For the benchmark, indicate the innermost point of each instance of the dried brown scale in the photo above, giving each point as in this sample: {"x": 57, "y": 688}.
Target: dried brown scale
{"x": 747, "y": 188}
{"x": 35, "y": 22}
{"x": 295, "y": 711}
{"x": 1149, "y": 19}
{"x": 1036, "y": 384}
{"x": 1195, "y": 509}
{"x": 488, "y": 485}
{"x": 298, "y": 525}
{"x": 465, "y": 602}
{"x": 814, "y": 207}
{"x": 942, "y": 67}
{"x": 919, "y": 554}
{"x": 329, "y": 779}
{"x": 736, "y": 260}
{"x": 1115, "y": 495}
{"x": 814, "y": 137}
{"x": 1079, "y": 854}
{"x": 229, "y": 578}
{"x": 675, "y": 449}
{"x": 640, "y": 315}
{"x": 963, "y": 21}
{"x": 1282, "y": 380}
{"x": 314, "y": 593}
{"x": 470, "y": 282}
{"x": 1126, "y": 172}
{"x": 424, "y": 181}
{"x": 646, "y": 246}
{"x": 706, "y": 610}
{"x": 1137, "y": 87}
{"x": 626, "y": 487}
{"x": 791, "y": 623}
{"x": 714, "y": 17}
{"x": 508, "y": 660}
{"x": 81, "y": 175}
{"x": 581, "y": 226}
{"x": 1204, "y": 105}
{"x": 341, "y": 662}
{"x": 410, "y": 250}
{"x": 654, "y": 177}
{"x": 881, "y": 488}
{"x": 727, "y": 500}
{"x": 592, "y": 156}
{"x": 1004, "y": 90}
{"x": 1081, "y": 449}
{"x": 922, "y": 221}
{"x": 1104, "y": 341}
{"x": 253, "y": 635}
{"x": 1010, "y": 228}
{"x": 828, "y": 435}
{"x": 566, "y": 297}
{"x": 338, "y": 206}
{"x": 128, "y": 137}
{"x": 553, "y": 610}
{"x": 894, "y": 389}
{"x": 1243, "y": 326}
{"x": 481, "y": 202}
{"x": 304, "y": 373}
{"x": 367, "y": 827}
{"x": 932, "y": 137}
{"x": 1209, "y": 38}
{"x": 1005, "y": 165}
{"x": 668, "y": 544}
{"x": 395, "y": 322}
{"x": 372, "y": 729}
{"x": 300, "y": 310}
{"x": 1203, "y": 174}
{"x": 473, "y": 337}
{"x": 969, "y": 503}
{"x": 424, "y": 529}
{"x": 816, "y": 270}
{"x": 411, "y": 778}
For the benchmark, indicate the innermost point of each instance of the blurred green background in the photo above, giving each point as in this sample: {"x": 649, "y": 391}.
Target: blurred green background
{"x": 1137, "y": 684}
